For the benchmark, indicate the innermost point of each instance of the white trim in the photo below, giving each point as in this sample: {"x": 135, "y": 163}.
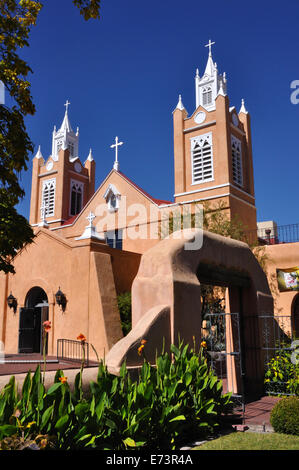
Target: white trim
{"x": 49, "y": 222}
{"x": 201, "y": 126}
{"x": 242, "y": 200}
{"x": 214, "y": 187}
{"x": 48, "y": 174}
{"x": 200, "y": 140}
{"x": 216, "y": 197}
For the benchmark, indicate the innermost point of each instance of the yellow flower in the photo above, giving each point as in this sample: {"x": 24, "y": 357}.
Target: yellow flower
{"x": 140, "y": 350}
{"x": 30, "y": 424}
{"x": 203, "y": 344}
{"x": 63, "y": 380}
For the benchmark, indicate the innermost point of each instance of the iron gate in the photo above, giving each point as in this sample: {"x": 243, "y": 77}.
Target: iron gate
{"x": 223, "y": 338}
{"x": 277, "y": 346}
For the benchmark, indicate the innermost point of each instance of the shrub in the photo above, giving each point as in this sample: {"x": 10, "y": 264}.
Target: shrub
{"x": 125, "y": 311}
{"x": 285, "y": 416}
{"x": 282, "y": 376}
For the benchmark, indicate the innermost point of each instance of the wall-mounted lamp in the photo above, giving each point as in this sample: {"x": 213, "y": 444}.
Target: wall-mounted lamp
{"x": 60, "y": 299}
{"x": 12, "y": 302}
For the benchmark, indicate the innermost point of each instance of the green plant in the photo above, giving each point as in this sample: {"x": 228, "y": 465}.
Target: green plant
{"x": 178, "y": 398}
{"x": 285, "y": 416}
{"x": 282, "y": 376}
{"x": 125, "y": 310}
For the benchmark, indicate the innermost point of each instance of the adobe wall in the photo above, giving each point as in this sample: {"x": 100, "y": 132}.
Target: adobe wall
{"x": 168, "y": 279}
{"x": 88, "y": 273}
{"x": 284, "y": 255}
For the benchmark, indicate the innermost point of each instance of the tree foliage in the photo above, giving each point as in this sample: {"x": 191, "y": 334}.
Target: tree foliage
{"x": 16, "y": 21}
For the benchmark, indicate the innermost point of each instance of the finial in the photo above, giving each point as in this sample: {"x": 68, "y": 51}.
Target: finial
{"x": 77, "y": 133}
{"x": 38, "y": 153}
{"x": 197, "y": 74}
{"x": 180, "y": 105}
{"x": 243, "y": 109}
{"x": 221, "y": 90}
{"x": 90, "y": 157}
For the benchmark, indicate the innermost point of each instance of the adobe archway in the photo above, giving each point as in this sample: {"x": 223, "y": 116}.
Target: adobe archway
{"x": 166, "y": 297}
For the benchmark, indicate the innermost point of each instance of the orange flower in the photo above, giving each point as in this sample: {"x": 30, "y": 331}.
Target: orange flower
{"x": 81, "y": 338}
{"x": 140, "y": 350}
{"x": 143, "y": 341}
{"x": 63, "y": 380}
{"x": 203, "y": 344}
{"x": 47, "y": 326}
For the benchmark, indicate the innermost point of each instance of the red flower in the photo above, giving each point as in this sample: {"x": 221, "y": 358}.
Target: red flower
{"x": 47, "y": 326}
{"x": 81, "y": 338}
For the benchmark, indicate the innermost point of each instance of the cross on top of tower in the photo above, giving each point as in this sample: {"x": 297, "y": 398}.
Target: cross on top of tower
{"x": 116, "y": 145}
{"x": 67, "y": 105}
{"x": 209, "y": 45}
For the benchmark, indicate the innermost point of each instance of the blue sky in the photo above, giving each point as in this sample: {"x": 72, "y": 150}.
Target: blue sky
{"x": 124, "y": 72}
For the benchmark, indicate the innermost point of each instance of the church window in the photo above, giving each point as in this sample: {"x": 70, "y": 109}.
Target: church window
{"x": 71, "y": 148}
{"x": 48, "y": 198}
{"x": 59, "y": 145}
{"x": 114, "y": 239}
{"x": 207, "y": 96}
{"x": 237, "y": 161}
{"x": 76, "y": 197}
{"x": 202, "y": 159}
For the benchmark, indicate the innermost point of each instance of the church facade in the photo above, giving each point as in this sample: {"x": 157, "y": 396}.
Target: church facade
{"x": 89, "y": 242}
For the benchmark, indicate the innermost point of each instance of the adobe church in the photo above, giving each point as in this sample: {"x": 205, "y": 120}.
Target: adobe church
{"x": 89, "y": 243}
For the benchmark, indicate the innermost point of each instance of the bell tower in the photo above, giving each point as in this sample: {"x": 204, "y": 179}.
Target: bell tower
{"x": 61, "y": 184}
{"x": 212, "y": 149}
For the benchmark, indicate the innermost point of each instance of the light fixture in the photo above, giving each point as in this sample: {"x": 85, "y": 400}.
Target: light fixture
{"x": 60, "y": 299}
{"x": 12, "y": 302}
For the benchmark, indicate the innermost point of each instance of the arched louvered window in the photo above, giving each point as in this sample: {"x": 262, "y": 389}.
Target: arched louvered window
{"x": 76, "y": 197}
{"x": 206, "y": 96}
{"x": 202, "y": 159}
{"x": 237, "y": 161}
{"x": 48, "y": 198}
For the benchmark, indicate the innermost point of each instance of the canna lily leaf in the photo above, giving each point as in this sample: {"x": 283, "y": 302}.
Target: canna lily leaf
{"x": 178, "y": 418}
{"x": 129, "y": 442}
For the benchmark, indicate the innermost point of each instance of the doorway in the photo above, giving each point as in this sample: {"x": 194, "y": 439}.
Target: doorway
{"x": 32, "y": 317}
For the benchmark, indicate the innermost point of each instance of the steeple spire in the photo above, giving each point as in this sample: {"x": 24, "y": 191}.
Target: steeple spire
{"x": 66, "y": 125}
{"x": 65, "y": 137}
{"x": 210, "y": 84}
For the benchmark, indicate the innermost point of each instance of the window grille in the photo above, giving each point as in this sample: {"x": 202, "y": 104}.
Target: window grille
{"x": 48, "y": 198}
{"x": 202, "y": 159}
{"x": 237, "y": 161}
{"x": 76, "y": 197}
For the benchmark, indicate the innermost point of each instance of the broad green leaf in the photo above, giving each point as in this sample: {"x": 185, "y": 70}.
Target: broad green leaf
{"x": 62, "y": 422}
{"x": 178, "y": 418}
{"x": 54, "y": 388}
{"x": 129, "y": 442}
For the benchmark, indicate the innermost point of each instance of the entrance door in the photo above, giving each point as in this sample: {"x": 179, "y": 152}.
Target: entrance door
{"x": 30, "y": 330}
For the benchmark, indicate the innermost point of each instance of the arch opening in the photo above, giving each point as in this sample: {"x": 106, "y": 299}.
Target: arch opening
{"x": 32, "y": 316}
